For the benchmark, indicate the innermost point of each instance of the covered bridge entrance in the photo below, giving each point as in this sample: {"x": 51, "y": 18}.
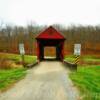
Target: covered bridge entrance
{"x": 52, "y": 38}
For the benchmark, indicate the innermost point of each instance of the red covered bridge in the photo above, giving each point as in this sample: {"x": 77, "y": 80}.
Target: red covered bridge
{"x": 50, "y": 37}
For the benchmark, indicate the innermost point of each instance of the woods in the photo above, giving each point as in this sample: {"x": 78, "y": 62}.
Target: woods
{"x": 11, "y": 36}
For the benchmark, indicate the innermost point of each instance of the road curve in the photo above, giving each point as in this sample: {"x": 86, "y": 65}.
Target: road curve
{"x": 47, "y": 81}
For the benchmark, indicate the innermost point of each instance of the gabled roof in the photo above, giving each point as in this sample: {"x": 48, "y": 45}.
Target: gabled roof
{"x": 50, "y": 33}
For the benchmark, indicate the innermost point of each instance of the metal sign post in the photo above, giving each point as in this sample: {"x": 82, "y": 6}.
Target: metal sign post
{"x": 77, "y": 52}
{"x": 22, "y": 52}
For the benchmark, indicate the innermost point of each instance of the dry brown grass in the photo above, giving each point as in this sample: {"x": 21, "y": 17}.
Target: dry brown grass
{"x": 8, "y": 64}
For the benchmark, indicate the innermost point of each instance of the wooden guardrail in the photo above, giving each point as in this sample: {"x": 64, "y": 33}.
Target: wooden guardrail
{"x": 32, "y": 64}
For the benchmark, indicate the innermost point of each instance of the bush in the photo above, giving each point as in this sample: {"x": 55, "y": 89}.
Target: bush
{"x": 8, "y": 64}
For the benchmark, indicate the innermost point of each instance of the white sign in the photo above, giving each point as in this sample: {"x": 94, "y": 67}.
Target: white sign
{"x": 77, "y": 49}
{"x": 21, "y": 48}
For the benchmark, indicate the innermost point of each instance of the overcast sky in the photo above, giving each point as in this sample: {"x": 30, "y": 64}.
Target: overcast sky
{"x": 48, "y": 12}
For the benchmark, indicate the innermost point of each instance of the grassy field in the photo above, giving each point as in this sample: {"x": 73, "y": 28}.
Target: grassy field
{"x": 84, "y": 58}
{"x": 88, "y": 80}
{"x": 87, "y": 77}
{"x": 10, "y": 76}
{"x": 17, "y": 58}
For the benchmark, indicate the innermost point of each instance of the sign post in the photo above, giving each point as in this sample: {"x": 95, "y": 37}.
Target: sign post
{"x": 22, "y": 52}
{"x": 77, "y": 52}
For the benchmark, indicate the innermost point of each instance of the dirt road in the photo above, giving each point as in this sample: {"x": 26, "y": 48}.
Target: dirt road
{"x": 46, "y": 81}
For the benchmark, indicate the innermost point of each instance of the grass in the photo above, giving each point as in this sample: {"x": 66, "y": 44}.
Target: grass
{"x": 17, "y": 58}
{"x": 91, "y": 58}
{"x": 85, "y": 58}
{"x": 10, "y": 76}
{"x": 87, "y": 78}
{"x": 69, "y": 58}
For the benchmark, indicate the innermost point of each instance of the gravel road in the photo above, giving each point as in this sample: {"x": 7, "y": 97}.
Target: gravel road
{"x": 46, "y": 81}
